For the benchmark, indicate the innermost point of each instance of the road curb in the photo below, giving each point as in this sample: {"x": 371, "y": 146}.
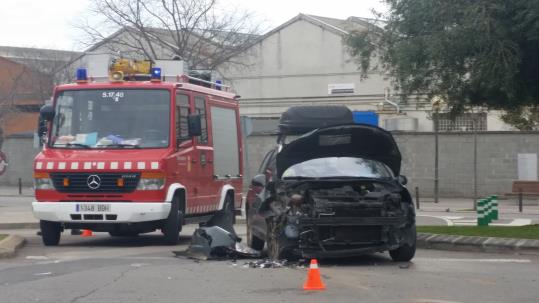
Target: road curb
{"x": 23, "y": 225}
{"x": 10, "y": 245}
{"x": 478, "y": 244}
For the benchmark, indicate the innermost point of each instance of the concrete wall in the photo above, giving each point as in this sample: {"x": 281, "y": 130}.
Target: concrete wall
{"x": 20, "y": 153}
{"x": 497, "y": 160}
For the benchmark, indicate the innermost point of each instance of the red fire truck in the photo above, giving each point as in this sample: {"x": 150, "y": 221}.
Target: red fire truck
{"x": 129, "y": 157}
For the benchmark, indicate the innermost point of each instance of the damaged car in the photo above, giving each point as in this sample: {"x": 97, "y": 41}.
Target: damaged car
{"x": 334, "y": 191}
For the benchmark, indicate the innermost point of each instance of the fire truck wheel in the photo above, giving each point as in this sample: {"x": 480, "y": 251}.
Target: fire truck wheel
{"x": 229, "y": 209}
{"x": 172, "y": 225}
{"x": 50, "y": 232}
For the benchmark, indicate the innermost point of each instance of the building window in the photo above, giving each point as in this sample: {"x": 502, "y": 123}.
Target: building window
{"x": 462, "y": 123}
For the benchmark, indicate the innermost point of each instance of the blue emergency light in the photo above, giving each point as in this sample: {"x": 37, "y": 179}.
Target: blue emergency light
{"x": 156, "y": 73}
{"x": 81, "y": 75}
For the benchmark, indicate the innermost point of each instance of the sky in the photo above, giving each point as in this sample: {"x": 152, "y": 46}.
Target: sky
{"x": 50, "y": 23}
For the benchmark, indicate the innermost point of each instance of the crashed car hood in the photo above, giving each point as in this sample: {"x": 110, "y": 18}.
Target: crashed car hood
{"x": 351, "y": 140}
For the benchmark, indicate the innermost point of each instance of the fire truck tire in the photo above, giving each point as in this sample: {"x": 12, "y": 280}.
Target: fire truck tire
{"x": 173, "y": 223}
{"x": 229, "y": 208}
{"x": 50, "y": 232}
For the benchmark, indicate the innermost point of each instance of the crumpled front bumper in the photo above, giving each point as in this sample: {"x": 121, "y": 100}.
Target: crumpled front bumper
{"x": 349, "y": 236}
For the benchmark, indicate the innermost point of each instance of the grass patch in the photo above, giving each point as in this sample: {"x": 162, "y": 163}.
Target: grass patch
{"x": 519, "y": 232}
{"x": 2, "y": 237}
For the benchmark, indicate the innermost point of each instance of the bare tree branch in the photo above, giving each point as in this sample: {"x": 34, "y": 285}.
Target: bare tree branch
{"x": 198, "y": 31}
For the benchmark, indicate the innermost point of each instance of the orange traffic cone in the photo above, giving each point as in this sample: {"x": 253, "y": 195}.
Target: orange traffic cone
{"x": 86, "y": 233}
{"x": 314, "y": 281}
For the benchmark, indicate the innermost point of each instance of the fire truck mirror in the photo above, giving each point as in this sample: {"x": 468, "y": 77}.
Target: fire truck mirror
{"x": 41, "y": 129}
{"x": 195, "y": 125}
{"x": 46, "y": 112}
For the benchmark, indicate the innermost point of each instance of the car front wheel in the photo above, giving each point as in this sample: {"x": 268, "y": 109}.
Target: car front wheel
{"x": 404, "y": 253}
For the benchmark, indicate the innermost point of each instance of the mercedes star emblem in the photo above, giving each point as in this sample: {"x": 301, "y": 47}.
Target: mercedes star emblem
{"x": 93, "y": 181}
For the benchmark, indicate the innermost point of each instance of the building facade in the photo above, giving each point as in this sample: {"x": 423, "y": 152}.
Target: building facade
{"x": 306, "y": 62}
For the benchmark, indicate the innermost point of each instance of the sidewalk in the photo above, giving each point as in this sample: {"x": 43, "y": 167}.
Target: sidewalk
{"x": 16, "y": 210}
{"x": 12, "y": 191}
{"x": 465, "y": 205}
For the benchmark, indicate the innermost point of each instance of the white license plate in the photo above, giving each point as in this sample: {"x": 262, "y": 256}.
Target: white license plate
{"x": 93, "y": 207}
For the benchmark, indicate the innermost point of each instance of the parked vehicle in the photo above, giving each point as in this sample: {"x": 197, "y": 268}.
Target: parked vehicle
{"x": 129, "y": 157}
{"x": 334, "y": 191}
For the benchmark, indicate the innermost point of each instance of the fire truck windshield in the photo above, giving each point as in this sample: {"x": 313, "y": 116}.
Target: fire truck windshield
{"x": 115, "y": 118}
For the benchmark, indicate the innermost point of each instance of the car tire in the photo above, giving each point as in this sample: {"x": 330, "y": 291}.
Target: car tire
{"x": 173, "y": 223}
{"x": 253, "y": 241}
{"x": 404, "y": 253}
{"x": 50, "y": 232}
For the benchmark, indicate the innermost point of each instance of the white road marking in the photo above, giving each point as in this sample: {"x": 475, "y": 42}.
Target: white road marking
{"x": 37, "y": 258}
{"x": 43, "y": 274}
{"x": 434, "y": 301}
{"x": 139, "y": 264}
{"x": 448, "y": 222}
{"x": 452, "y": 217}
{"x": 476, "y": 260}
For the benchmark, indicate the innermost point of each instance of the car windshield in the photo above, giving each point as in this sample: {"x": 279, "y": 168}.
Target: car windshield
{"x": 338, "y": 167}
{"x": 128, "y": 118}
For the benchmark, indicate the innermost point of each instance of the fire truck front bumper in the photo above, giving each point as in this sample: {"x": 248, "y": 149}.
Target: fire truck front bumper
{"x": 105, "y": 212}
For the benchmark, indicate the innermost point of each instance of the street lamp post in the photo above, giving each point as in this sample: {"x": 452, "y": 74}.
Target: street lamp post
{"x": 436, "y": 112}
{"x": 474, "y": 126}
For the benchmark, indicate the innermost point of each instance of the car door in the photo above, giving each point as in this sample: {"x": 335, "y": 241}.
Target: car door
{"x": 185, "y": 171}
{"x": 258, "y": 193}
{"x": 203, "y": 159}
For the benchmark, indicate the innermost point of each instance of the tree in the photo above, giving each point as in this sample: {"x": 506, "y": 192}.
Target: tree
{"x": 197, "y": 31}
{"x": 468, "y": 52}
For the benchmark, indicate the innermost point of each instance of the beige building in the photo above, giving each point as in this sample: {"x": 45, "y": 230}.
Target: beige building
{"x": 305, "y": 62}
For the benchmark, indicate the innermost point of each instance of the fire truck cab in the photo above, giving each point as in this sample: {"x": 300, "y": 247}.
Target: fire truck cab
{"x": 129, "y": 157}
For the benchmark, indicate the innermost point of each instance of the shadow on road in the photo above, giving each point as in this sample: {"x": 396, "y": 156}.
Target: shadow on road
{"x": 107, "y": 241}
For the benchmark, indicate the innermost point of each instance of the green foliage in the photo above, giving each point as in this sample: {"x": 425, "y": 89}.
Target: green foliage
{"x": 469, "y": 52}
{"x": 523, "y": 118}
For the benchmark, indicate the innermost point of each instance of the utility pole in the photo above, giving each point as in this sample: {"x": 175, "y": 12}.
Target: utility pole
{"x": 436, "y": 113}
{"x": 474, "y": 125}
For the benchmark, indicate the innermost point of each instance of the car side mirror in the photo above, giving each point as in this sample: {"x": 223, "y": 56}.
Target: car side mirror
{"x": 402, "y": 180}
{"x": 259, "y": 180}
{"x": 46, "y": 112}
{"x": 194, "y": 124}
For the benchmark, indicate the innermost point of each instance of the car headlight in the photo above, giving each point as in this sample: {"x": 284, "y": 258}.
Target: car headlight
{"x": 42, "y": 181}
{"x": 151, "y": 181}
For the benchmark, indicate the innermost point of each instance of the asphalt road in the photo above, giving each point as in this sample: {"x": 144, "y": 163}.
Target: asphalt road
{"x": 105, "y": 269}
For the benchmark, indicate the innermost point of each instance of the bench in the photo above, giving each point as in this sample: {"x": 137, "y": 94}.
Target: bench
{"x": 523, "y": 189}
